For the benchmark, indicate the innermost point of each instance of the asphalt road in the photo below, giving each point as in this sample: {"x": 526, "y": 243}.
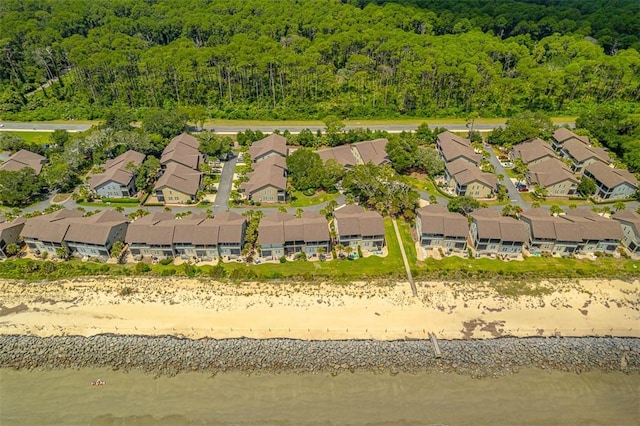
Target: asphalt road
{"x": 391, "y": 128}
{"x": 514, "y": 195}
{"x": 221, "y": 203}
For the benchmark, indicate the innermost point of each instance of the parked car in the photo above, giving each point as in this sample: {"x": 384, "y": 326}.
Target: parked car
{"x": 523, "y": 189}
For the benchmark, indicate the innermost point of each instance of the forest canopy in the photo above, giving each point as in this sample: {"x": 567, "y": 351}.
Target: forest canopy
{"x": 309, "y": 59}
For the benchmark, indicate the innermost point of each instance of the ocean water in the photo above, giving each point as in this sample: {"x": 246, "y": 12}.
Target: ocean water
{"x": 530, "y": 397}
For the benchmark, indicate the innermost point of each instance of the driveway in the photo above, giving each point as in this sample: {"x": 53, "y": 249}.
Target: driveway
{"x": 224, "y": 187}
{"x": 514, "y": 195}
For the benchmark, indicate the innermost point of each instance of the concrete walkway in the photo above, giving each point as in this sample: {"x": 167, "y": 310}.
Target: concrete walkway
{"x": 414, "y": 290}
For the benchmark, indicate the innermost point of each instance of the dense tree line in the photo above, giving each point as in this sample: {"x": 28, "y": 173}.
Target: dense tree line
{"x": 310, "y": 59}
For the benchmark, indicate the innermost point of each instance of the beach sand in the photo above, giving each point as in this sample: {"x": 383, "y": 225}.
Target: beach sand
{"x": 200, "y": 308}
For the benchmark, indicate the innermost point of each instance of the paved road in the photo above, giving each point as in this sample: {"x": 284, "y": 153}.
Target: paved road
{"x": 514, "y": 195}
{"x": 221, "y": 203}
{"x": 43, "y": 127}
{"x": 391, "y": 128}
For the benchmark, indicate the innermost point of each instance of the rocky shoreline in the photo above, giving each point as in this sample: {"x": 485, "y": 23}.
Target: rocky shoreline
{"x": 169, "y": 355}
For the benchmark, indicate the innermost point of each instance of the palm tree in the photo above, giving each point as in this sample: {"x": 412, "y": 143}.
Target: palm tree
{"x": 555, "y": 210}
{"x": 348, "y": 250}
{"x": 619, "y": 205}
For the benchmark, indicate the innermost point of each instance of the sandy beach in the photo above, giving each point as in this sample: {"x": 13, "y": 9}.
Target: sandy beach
{"x": 197, "y": 309}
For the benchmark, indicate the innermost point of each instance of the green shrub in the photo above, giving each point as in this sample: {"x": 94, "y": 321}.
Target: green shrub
{"x": 189, "y": 270}
{"x": 142, "y": 268}
{"x": 283, "y": 259}
{"x": 120, "y": 200}
{"x": 166, "y": 261}
{"x": 167, "y": 272}
{"x": 217, "y": 271}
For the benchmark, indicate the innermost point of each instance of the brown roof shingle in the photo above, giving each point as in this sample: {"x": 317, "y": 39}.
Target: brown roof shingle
{"x": 563, "y": 134}
{"x": 354, "y": 220}
{"x": 273, "y": 142}
{"x": 464, "y": 173}
{"x": 438, "y": 220}
{"x": 593, "y": 226}
{"x": 532, "y": 150}
{"x": 181, "y": 178}
{"x": 454, "y": 147}
{"x": 373, "y": 151}
{"x": 51, "y": 227}
{"x": 270, "y": 171}
{"x": 22, "y": 159}
{"x": 340, "y": 154}
{"x": 94, "y": 229}
{"x": 490, "y": 224}
{"x": 610, "y": 176}
{"x": 582, "y": 152}
{"x": 549, "y": 172}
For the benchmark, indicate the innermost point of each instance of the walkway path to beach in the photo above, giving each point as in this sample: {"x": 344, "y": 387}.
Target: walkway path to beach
{"x": 407, "y": 268}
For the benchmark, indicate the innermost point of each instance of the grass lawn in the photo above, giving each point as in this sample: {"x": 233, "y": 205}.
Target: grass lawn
{"x": 453, "y": 268}
{"x": 298, "y": 199}
{"x": 38, "y": 138}
{"x": 408, "y": 243}
{"x": 562, "y": 202}
{"x": 510, "y": 173}
{"x": 58, "y": 198}
{"x": 110, "y": 205}
{"x": 423, "y": 183}
{"x": 340, "y": 270}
